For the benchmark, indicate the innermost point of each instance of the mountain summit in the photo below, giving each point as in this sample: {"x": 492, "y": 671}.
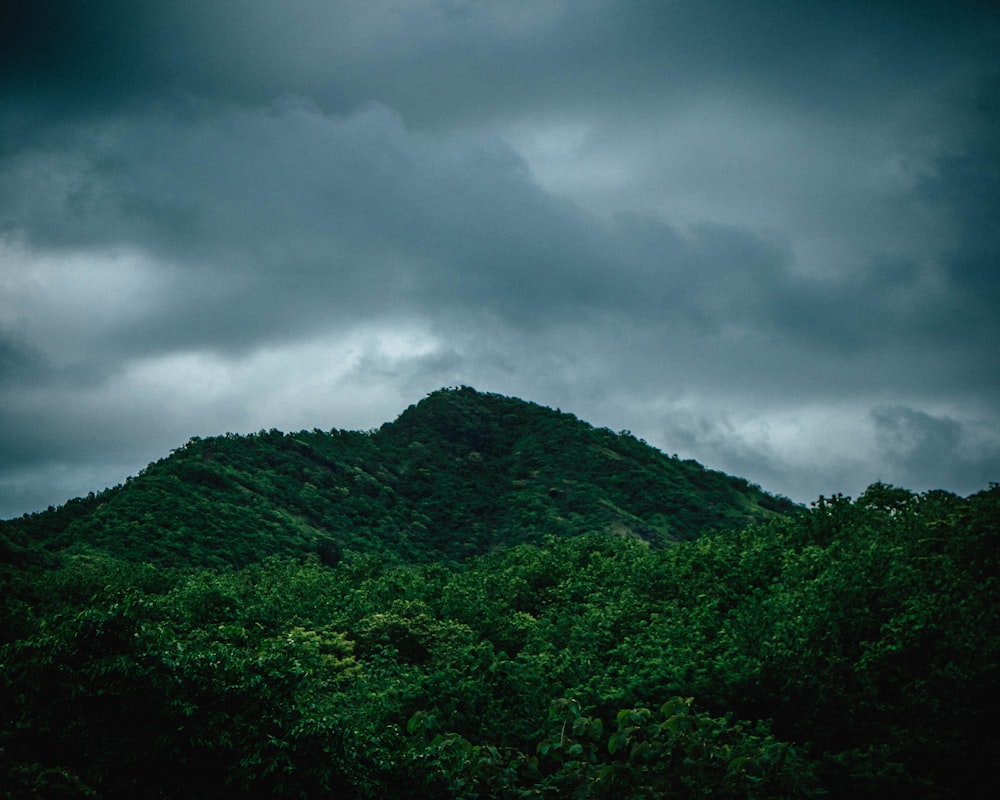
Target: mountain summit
{"x": 458, "y": 474}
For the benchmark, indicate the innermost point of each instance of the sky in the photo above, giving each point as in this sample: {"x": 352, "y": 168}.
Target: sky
{"x": 763, "y": 235}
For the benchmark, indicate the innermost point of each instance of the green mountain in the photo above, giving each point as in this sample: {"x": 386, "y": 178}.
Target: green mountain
{"x": 459, "y": 474}
{"x": 472, "y": 603}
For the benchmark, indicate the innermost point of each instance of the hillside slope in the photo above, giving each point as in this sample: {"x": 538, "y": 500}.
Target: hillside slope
{"x": 458, "y": 474}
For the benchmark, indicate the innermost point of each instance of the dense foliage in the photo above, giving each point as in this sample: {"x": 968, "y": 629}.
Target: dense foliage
{"x": 848, "y": 651}
{"x": 457, "y": 475}
{"x": 490, "y": 599}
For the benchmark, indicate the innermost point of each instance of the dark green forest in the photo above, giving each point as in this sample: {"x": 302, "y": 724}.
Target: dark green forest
{"x": 490, "y": 599}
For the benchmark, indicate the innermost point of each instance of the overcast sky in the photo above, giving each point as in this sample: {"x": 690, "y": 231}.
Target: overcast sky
{"x": 764, "y": 235}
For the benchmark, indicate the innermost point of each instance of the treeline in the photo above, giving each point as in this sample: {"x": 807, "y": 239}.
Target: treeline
{"x": 851, "y": 650}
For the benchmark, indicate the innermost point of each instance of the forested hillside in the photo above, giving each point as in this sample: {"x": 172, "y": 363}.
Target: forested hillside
{"x": 457, "y": 475}
{"x": 846, "y": 650}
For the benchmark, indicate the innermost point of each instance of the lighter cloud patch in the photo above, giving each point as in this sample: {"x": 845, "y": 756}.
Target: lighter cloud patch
{"x": 300, "y": 385}
{"x": 563, "y": 161}
{"x": 61, "y": 302}
{"x": 795, "y": 435}
{"x": 801, "y": 452}
{"x": 837, "y": 433}
{"x": 401, "y": 344}
{"x": 827, "y": 449}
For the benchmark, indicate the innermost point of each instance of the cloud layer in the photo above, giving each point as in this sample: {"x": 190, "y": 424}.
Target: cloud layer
{"x": 765, "y": 236}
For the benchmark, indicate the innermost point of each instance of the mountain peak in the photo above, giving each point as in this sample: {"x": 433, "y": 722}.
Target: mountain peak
{"x": 460, "y": 473}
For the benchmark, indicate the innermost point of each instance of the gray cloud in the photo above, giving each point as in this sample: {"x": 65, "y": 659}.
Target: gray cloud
{"x": 761, "y": 234}
{"x": 922, "y": 446}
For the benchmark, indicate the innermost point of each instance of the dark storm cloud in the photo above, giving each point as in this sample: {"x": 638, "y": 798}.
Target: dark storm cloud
{"x": 268, "y": 221}
{"x": 435, "y": 59}
{"x": 783, "y": 215}
{"x": 361, "y": 214}
{"x": 287, "y": 206}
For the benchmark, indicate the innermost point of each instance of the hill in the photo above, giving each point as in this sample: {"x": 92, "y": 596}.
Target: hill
{"x": 459, "y": 474}
{"x": 472, "y": 602}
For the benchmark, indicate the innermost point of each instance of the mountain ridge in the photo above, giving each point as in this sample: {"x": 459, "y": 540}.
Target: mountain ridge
{"x": 458, "y": 474}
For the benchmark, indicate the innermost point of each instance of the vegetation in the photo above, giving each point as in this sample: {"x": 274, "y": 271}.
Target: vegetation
{"x": 850, "y": 649}
{"x": 457, "y": 475}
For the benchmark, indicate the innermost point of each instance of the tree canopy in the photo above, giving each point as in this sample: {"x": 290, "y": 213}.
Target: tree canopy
{"x": 849, "y": 649}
